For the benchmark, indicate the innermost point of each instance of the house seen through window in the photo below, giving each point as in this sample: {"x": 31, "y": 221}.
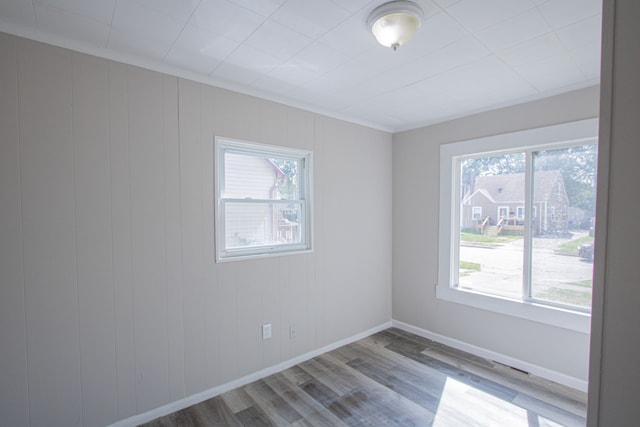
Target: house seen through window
{"x": 496, "y": 254}
{"x": 263, "y": 200}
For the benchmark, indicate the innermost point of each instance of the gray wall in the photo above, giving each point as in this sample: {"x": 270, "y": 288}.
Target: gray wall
{"x": 614, "y": 385}
{"x": 415, "y": 239}
{"x": 111, "y": 303}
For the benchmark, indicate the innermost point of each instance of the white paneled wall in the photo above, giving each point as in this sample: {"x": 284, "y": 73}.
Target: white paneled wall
{"x": 14, "y": 403}
{"x": 111, "y": 303}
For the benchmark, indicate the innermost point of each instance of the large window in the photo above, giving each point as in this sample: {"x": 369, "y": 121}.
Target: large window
{"x": 263, "y": 200}
{"x": 533, "y": 259}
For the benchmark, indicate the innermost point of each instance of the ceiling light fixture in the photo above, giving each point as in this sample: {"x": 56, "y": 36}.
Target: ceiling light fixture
{"x": 395, "y": 23}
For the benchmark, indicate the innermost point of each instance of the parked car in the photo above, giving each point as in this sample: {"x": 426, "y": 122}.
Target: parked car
{"x": 585, "y": 251}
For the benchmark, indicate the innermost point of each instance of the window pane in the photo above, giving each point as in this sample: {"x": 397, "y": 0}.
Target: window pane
{"x": 564, "y": 196}
{"x": 256, "y": 177}
{"x": 491, "y": 246}
{"x": 262, "y": 224}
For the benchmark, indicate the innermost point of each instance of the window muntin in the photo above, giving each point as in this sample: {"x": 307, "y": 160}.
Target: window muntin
{"x": 453, "y": 208}
{"x": 263, "y": 200}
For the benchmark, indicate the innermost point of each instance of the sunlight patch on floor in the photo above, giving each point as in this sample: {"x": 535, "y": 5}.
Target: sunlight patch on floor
{"x": 464, "y": 405}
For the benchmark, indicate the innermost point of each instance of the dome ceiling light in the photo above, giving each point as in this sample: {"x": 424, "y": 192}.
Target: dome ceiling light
{"x": 395, "y": 23}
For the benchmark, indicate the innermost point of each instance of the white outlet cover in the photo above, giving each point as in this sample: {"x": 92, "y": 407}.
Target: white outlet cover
{"x": 266, "y": 331}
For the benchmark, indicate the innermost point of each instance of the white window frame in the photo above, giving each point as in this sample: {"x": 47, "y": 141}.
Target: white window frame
{"x": 475, "y": 209}
{"x": 520, "y": 212}
{"x": 223, "y": 145}
{"x": 557, "y": 136}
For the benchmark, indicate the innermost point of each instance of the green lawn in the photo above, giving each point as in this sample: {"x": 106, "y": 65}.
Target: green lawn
{"x": 466, "y": 237}
{"x": 466, "y": 268}
{"x": 568, "y": 296}
{"x": 582, "y": 283}
{"x": 466, "y": 265}
{"x": 571, "y": 247}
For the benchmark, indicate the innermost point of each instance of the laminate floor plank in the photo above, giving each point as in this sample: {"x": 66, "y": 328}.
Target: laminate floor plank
{"x": 310, "y": 409}
{"x": 217, "y": 413}
{"x": 414, "y": 351}
{"x": 272, "y": 403}
{"x": 363, "y": 403}
{"x": 253, "y": 417}
{"x": 398, "y": 385}
{"x": 237, "y": 399}
{"x": 329, "y": 372}
{"x": 391, "y": 378}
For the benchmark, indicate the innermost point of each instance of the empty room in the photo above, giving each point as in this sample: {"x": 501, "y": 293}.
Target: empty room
{"x": 319, "y": 213}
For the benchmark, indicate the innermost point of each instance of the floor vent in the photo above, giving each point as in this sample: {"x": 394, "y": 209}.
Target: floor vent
{"x": 511, "y": 367}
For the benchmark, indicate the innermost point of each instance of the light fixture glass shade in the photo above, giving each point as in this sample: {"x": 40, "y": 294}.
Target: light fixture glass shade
{"x": 395, "y": 23}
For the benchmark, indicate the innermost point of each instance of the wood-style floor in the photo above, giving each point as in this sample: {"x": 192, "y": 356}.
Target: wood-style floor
{"x": 392, "y": 378}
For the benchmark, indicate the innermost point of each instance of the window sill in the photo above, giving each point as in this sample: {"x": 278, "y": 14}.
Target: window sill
{"x": 245, "y": 255}
{"x": 554, "y": 316}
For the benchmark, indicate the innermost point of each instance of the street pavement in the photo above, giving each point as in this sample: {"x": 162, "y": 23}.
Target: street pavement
{"x": 501, "y": 268}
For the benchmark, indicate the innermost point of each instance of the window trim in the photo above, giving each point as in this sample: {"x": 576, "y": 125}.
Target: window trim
{"x": 555, "y": 136}
{"x": 473, "y": 212}
{"x": 223, "y": 145}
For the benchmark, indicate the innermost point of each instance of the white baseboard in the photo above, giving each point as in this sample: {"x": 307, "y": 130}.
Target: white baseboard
{"x": 536, "y": 370}
{"x": 213, "y": 392}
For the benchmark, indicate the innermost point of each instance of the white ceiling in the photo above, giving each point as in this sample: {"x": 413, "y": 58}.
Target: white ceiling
{"x": 468, "y": 56}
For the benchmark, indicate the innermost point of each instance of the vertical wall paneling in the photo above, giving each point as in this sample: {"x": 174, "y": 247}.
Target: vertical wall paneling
{"x": 192, "y": 239}
{"x": 121, "y": 239}
{"x": 228, "y": 309}
{"x": 93, "y": 230}
{"x": 212, "y": 320}
{"x": 338, "y": 273}
{"x": 295, "y": 289}
{"x": 49, "y": 235}
{"x": 148, "y": 238}
{"x": 271, "y": 293}
{"x": 173, "y": 246}
{"x": 223, "y": 116}
{"x": 249, "y": 316}
{"x": 319, "y": 208}
{"x": 111, "y": 302}
{"x": 13, "y": 351}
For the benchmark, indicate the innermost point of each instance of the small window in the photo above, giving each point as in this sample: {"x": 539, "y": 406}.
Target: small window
{"x": 263, "y": 200}
{"x": 503, "y": 212}
{"x": 520, "y": 212}
{"x": 476, "y": 212}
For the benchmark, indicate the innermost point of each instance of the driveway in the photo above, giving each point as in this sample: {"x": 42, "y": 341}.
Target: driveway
{"x": 555, "y": 277}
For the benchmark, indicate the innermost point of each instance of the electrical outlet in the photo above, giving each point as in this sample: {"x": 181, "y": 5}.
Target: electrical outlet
{"x": 292, "y": 332}
{"x": 266, "y": 331}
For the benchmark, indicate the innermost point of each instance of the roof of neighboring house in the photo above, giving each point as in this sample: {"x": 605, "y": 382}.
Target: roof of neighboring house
{"x": 277, "y": 170}
{"x": 509, "y": 188}
{"x": 480, "y": 191}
